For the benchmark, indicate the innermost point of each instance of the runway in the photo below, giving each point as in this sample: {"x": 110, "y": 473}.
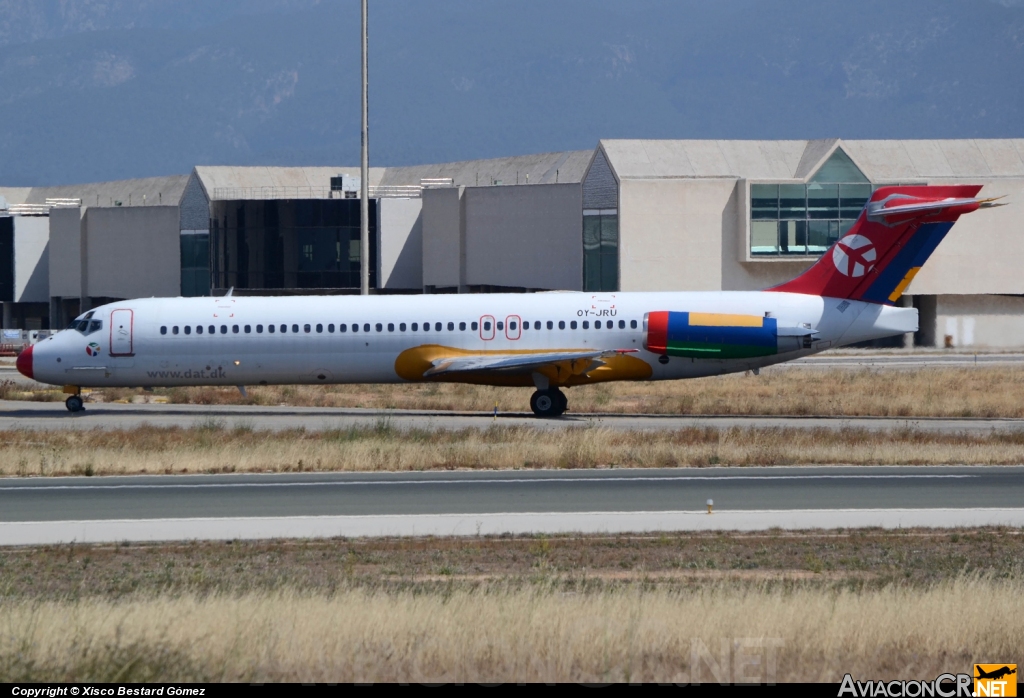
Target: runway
{"x": 53, "y": 415}
{"x": 39, "y": 510}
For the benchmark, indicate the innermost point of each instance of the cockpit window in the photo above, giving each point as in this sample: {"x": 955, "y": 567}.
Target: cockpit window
{"x": 85, "y": 325}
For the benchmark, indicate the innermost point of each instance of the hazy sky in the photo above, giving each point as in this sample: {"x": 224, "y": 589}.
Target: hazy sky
{"x": 100, "y": 89}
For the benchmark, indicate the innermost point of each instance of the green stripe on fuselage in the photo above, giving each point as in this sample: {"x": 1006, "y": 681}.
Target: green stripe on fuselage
{"x": 704, "y": 350}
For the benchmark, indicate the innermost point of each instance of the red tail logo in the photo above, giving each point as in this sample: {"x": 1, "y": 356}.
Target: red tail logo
{"x": 896, "y": 232}
{"x": 854, "y": 256}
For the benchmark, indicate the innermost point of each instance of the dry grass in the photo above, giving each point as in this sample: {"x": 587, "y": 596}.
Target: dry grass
{"x": 879, "y": 604}
{"x": 939, "y": 392}
{"x": 214, "y": 447}
{"x": 494, "y": 633}
{"x": 855, "y": 559}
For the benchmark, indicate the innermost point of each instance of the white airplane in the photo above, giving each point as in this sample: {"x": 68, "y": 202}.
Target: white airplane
{"x": 549, "y": 340}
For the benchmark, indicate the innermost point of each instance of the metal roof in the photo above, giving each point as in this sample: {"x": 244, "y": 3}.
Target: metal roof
{"x": 880, "y": 160}
{"x": 150, "y": 191}
{"x": 542, "y": 168}
{"x": 229, "y": 182}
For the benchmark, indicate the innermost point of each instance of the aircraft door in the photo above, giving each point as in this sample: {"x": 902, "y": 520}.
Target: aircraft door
{"x": 121, "y": 332}
{"x": 487, "y": 327}
{"x": 513, "y": 327}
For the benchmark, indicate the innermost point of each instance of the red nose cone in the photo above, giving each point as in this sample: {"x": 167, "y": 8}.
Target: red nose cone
{"x": 24, "y": 363}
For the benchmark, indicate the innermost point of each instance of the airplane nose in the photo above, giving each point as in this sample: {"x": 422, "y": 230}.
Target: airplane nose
{"x": 24, "y": 362}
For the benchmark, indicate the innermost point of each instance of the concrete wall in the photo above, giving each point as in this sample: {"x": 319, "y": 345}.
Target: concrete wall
{"x": 983, "y": 252}
{"x": 685, "y": 235}
{"x": 526, "y": 236}
{"x": 982, "y": 322}
{"x": 132, "y": 252}
{"x": 442, "y": 234}
{"x": 31, "y": 259}
{"x": 65, "y": 256}
{"x": 400, "y": 244}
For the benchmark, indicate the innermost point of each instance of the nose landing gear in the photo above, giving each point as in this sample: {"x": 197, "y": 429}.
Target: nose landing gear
{"x": 549, "y": 403}
{"x": 74, "y": 403}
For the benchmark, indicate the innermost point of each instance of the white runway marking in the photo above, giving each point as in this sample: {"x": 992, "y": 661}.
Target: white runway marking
{"x": 55, "y": 532}
{"x": 478, "y": 481}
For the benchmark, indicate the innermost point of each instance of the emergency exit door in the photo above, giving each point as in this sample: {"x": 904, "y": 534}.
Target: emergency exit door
{"x": 121, "y": 332}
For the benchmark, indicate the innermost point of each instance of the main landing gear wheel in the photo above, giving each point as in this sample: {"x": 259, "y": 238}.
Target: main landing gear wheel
{"x": 74, "y": 404}
{"x": 548, "y": 403}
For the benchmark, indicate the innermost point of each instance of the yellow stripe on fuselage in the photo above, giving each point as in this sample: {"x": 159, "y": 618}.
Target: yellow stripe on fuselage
{"x": 725, "y": 320}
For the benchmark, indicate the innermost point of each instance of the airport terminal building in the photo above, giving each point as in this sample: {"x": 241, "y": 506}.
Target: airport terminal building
{"x": 629, "y": 215}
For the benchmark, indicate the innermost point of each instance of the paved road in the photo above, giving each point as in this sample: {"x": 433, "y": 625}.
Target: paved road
{"x": 53, "y": 415}
{"x": 338, "y": 494}
{"x": 907, "y": 360}
{"x": 47, "y": 511}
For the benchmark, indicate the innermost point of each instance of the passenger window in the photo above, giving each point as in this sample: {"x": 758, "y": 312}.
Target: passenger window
{"x": 163, "y": 329}
{"x": 248, "y": 329}
{"x": 437, "y": 327}
{"x": 344, "y": 328}
{"x": 561, "y": 324}
{"x": 487, "y": 327}
{"x": 526, "y": 325}
{"x": 536, "y": 325}
{"x": 270, "y": 329}
{"x": 234, "y": 329}
{"x": 284, "y": 328}
{"x": 586, "y": 325}
{"x": 572, "y": 325}
{"x": 632, "y": 324}
{"x": 462, "y": 327}
{"x": 174, "y": 330}
{"x": 512, "y": 325}
{"x": 451, "y": 326}
{"x": 307, "y": 329}
{"x": 319, "y": 328}
{"x": 330, "y": 328}
{"x": 295, "y": 329}
{"x": 188, "y": 329}
{"x": 355, "y": 327}
{"x": 473, "y": 325}
{"x": 199, "y": 329}
{"x": 622, "y": 324}
{"x": 259, "y": 329}
{"x": 366, "y": 327}
{"x": 501, "y": 324}
{"x": 380, "y": 327}
{"x": 415, "y": 326}
{"x": 551, "y": 325}
{"x": 401, "y": 327}
{"x": 391, "y": 327}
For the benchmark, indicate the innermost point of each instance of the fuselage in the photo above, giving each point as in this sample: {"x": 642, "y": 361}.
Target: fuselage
{"x": 388, "y": 339}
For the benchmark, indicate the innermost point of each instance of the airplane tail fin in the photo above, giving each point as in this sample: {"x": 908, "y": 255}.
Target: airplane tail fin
{"x": 896, "y": 232}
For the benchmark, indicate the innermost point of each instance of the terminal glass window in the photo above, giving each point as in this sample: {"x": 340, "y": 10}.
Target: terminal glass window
{"x": 805, "y": 219}
{"x": 195, "y": 265}
{"x": 289, "y": 244}
{"x": 601, "y": 250}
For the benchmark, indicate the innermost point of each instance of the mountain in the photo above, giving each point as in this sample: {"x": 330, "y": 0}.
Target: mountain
{"x": 106, "y": 89}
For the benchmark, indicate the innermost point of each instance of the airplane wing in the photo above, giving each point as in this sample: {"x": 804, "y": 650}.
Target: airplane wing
{"x": 580, "y": 361}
